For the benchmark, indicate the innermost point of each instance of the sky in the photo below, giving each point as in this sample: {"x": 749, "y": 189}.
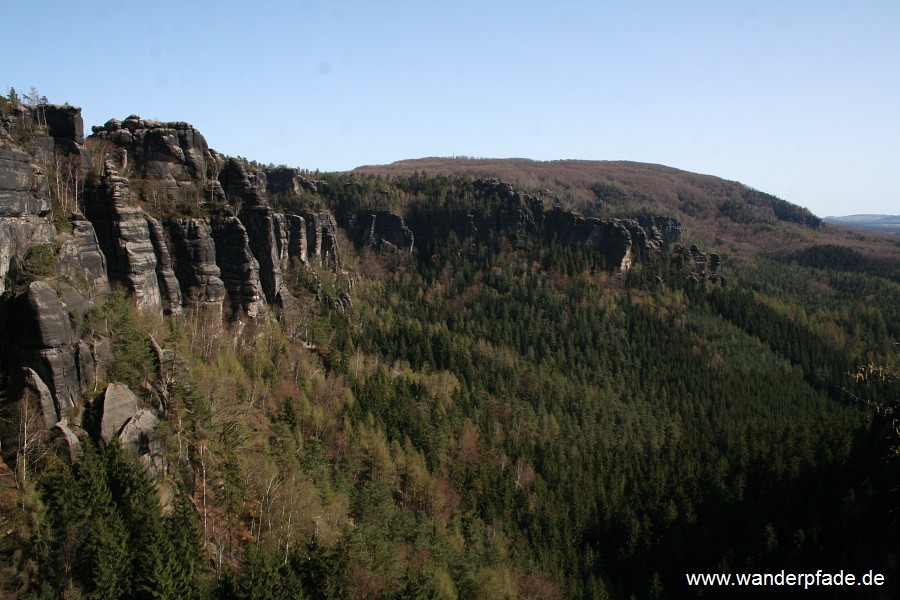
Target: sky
{"x": 800, "y": 99}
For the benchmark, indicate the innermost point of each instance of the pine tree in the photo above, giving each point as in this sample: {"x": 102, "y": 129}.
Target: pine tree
{"x": 102, "y": 564}
{"x": 188, "y": 576}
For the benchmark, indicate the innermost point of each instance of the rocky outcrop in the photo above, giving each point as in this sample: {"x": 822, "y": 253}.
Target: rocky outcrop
{"x": 124, "y": 235}
{"x": 611, "y": 238}
{"x": 195, "y": 263}
{"x": 239, "y": 268}
{"x": 381, "y": 230}
{"x": 117, "y": 413}
{"x": 43, "y": 397}
{"x": 66, "y": 440}
{"x": 41, "y": 344}
{"x": 321, "y": 239}
{"x": 524, "y": 219}
{"x": 81, "y": 261}
{"x": 23, "y": 185}
{"x": 267, "y": 239}
{"x": 66, "y": 127}
{"x": 246, "y": 187}
{"x": 219, "y": 254}
{"x": 140, "y": 434}
{"x": 284, "y": 181}
{"x": 291, "y": 239}
{"x": 169, "y": 289}
{"x": 17, "y": 235}
{"x": 173, "y": 154}
{"x": 45, "y": 342}
{"x": 24, "y": 207}
{"x": 112, "y": 409}
{"x": 699, "y": 265}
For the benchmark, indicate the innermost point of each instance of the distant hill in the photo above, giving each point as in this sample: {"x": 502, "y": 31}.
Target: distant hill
{"x": 882, "y": 223}
{"x": 725, "y": 216}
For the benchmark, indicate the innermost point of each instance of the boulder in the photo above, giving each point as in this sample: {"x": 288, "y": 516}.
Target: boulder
{"x": 65, "y": 439}
{"x": 36, "y": 385}
{"x": 140, "y": 434}
{"x": 113, "y": 408}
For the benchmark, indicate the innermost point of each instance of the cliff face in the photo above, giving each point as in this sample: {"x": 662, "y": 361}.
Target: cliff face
{"x": 42, "y": 349}
{"x": 174, "y": 155}
{"x": 124, "y": 235}
{"x": 237, "y": 247}
{"x": 381, "y": 229}
{"x": 194, "y": 253}
{"x": 524, "y": 219}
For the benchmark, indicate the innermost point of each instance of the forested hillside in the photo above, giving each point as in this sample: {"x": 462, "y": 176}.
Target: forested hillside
{"x": 424, "y": 385}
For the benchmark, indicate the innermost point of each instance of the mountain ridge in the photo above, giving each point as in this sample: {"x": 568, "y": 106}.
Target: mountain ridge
{"x": 725, "y": 216}
{"x": 871, "y": 222}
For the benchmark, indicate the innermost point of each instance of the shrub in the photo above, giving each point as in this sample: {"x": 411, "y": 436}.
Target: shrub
{"x": 39, "y": 262}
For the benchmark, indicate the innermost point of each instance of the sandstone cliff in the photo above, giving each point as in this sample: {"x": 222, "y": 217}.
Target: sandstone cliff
{"x": 524, "y": 219}
{"x": 43, "y": 351}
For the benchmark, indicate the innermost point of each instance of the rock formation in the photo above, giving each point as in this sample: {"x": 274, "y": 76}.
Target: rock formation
{"x": 524, "y": 219}
{"x": 43, "y": 397}
{"x": 45, "y": 342}
{"x": 321, "y": 240}
{"x": 22, "y": 185}
{"x": 173, "y": 154}
{"x": 66, "y": 127}
{"x": 24, "y": 207}
{"x": 170, "y": 292}
{"x": 112, "y": 409}
{"x": 222, "y": 252}
{"x": 41, "y": 348}
{"x": 140, "y": 434}
{"x": 67, "y": 440}
{"x": 700, "y": 266}
{"x": 239, "y": 268}
{"x": 381, "y": 229}
{"x": 80, "y": 257}
{"x": 117, "y": 413}
{"x": 194, "y": 254}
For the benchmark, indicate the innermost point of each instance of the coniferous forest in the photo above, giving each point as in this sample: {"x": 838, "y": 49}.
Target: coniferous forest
{"x": 467, "y": 405}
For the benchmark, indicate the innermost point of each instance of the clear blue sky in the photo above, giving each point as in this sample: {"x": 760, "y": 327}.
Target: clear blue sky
{"x": 795, "y": 98}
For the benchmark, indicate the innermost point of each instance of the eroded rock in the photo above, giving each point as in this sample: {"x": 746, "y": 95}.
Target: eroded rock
{"x": 239, "y": 268}
{"x": 381, "y": 229}
{"x": 112, "y": 409}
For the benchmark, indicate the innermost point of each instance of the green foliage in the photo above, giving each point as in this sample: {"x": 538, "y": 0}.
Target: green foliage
{"x": 107, "y": 536}
{"x": 133, "y": 359}
{"x": 829, "y": 256}
{"x": 39, "y": 262}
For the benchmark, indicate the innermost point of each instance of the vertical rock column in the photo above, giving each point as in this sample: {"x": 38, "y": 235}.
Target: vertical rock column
{"x": 195, "y": 264}
{"x": 124, "y": 236}
{"x": 240, "y": 270}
